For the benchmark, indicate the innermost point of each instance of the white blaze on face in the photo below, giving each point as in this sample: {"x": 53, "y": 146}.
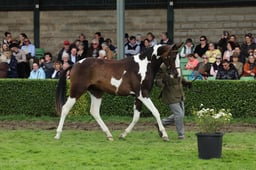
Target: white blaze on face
{"x": 155, "y": 50}
{"x": 142, "y": 66}
{"x": 82, "y": 60}
{"x": 116, "y": 83}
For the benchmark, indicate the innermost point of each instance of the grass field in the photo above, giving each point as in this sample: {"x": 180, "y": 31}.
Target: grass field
{"x": 81, "y": 149}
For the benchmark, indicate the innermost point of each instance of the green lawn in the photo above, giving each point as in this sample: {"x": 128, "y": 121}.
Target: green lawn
{"x": 79, "y": 149}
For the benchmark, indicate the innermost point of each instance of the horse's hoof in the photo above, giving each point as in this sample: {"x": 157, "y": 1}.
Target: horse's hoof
{"x": 57, "y": 137}
{"x": 121, "y": 137}
{"x": 165, "y": 138}
{"x": 110, "y": 138}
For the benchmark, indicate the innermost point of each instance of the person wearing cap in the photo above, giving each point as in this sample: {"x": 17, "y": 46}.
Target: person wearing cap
{"x": 65, "y": 49}
{"x": 248, "y": 45}
{"x": 250, "y": 67}
{"x": 238, "y": 65}
{"x": 187, "y": 49}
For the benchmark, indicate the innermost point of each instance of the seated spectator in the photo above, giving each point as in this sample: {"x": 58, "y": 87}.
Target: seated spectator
{"x": 22, "y": 37}
{"x": 152, "y": 39}
{"x": 111, "y": 46}
{"x": 7, "y": 38}
{"x": 73, "y": 55}
{"x": 240, "y": 56}
{"x": 203, "y": 68}
{"x": 248, "y": 46}
{"x": 165, "y": 39}
{"x": 30, "y": 51}
{"x": 228, "y": 71}
{"x": 145, "y": 46}
{"x": 57, "y": 70}
{"x": 37, "y": 72}
{"x": 85, "y": 42}
{"x": 75, "y": 44}
{"x": 81, "y": 53}
{"x": 23, "y": 68}
{"x": 66, "y": 61}
{"x": 250, "y": 67}
{"x": 238, "y": 65}
{"x": 192, "y": 62}
{"x": 212, "y": 53}
{"x": 65, "y": 49}
{"x": 99, "y": 37}
{"x": 139, "y": 40}
{"x": 229, "y": 51}
{"x": 102, "y": 54}
{"x": 202, "y": 47}
{"x": 216, "y": 66}
{"x": 187, "y": 49}
{"x": 109, "y": 54}
{"x": 48, "y": 65}
{"x": 94, "y": 49}
{"x": 132, "y": 48}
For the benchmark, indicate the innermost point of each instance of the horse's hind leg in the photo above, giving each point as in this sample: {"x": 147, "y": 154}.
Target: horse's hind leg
{"x": 136, "y": 116}
{"x": 95, "y": 112}
{"x": 64, "y": 112}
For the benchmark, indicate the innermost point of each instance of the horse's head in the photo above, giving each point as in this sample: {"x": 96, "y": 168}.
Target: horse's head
{"x": 168, "y": 53}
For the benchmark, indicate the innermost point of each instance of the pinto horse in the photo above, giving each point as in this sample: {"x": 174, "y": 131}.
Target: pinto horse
{"x": 129, "y": 76}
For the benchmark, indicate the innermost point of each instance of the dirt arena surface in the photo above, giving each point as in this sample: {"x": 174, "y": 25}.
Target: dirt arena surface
{"x": 50, "y": 125}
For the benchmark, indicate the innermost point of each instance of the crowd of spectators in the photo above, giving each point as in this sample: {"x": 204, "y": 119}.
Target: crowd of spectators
{"x": 225, "y": 59}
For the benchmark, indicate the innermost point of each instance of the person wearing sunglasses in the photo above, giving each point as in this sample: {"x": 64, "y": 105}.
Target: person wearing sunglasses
{"x": 228, "y": 71}
{"x": 202, "y": 47}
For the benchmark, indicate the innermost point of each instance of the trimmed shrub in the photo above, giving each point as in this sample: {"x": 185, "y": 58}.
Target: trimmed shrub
{"x": 37, "y": 97}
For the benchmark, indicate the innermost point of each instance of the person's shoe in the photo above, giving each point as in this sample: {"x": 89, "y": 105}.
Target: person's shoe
{"x": 181, "y": 137}
{"x": 158, "y": 130}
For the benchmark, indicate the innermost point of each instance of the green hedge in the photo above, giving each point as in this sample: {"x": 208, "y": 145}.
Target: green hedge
{"x": 37, "y": 97}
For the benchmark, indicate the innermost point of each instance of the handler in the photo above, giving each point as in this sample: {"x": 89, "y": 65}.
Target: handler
{"x": 173, "y": 95}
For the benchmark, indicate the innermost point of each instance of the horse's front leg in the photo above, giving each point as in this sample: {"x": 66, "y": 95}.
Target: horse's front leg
{"x": 64, "y": 112}
{"x": 136, "y": 115}
{"x": 149, "y": 104}
{"x": 95, "y": 112}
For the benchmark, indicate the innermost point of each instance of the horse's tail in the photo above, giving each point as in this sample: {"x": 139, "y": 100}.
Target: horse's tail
{"x": 61, "y": 90}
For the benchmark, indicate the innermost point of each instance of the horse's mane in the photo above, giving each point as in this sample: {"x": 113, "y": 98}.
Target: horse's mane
{"x": 147, "y": 53}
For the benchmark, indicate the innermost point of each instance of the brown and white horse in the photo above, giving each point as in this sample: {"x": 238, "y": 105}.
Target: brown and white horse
{"x": 129, "y": 76}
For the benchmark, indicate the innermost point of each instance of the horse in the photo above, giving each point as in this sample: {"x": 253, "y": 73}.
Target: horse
{"x": 129, "y": 76}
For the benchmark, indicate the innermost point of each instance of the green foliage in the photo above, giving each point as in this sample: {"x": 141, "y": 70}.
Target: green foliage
{"x": 37, "y": 97}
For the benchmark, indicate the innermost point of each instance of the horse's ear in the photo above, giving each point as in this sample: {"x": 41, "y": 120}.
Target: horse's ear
{"x": 176, "y": 46}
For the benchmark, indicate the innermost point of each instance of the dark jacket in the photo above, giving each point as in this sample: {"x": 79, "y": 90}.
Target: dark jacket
{"x": 230, "y": 74}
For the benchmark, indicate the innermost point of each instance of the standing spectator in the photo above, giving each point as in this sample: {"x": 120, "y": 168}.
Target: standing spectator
{"x": 229, "y": 51}
{"x": 238, "y": 65}
{"x": 187, "y": 49}
{"x": 30, "y": 51}
{"x": 192, "y": 62}
{"x": 66, "y": 61}
{"x": 139, "y": 40}
{"x": 65, "y": 49}
{"x": 57, "y": 70}
{"x": 109, "y": 54}
{"x": 94, "y": 49}
{"x": 145, "y": 46}
{"x": 232, "y": 38}
{"x": 212, "y": 53}
{"x": 23, "y": 69}
{"x": 22, "y": 37}
{"x": 165, "y": 39}
{"x": 73, "y": 55}
{"x": 37, "y": 72}
{"x": 7, "y": 38}
{"x": 132, "y": 48}
{"x": 202, "y": 47}
{"x": 48, "y": 65}
{"x": 250, "y": 67}
{"x": 152, "y": 39}
{"x": 222, "y": 44}
{"x": 228, "y": 72}
{"x": 216, "y": 66}
{"x": 248, "y": 46}
{"x": 85, "y": 42}
{"x": 99, "y": 37}
{"x": 126, "y": 39}
{"x": 81, "y": 53}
